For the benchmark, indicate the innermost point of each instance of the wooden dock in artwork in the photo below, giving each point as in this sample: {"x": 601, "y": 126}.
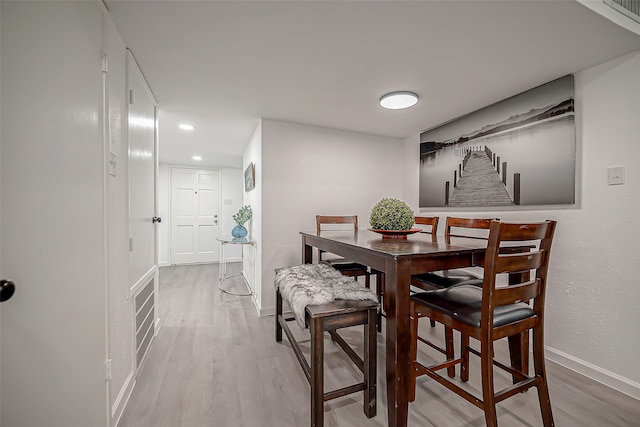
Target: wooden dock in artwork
{"x": 479, "y": 184}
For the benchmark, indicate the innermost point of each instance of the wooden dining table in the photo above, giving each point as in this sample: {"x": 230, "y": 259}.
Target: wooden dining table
{"x": 399, "y": 259}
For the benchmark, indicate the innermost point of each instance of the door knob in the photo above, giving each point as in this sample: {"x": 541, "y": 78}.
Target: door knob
{"x": 156, "y": 219}
{"x": 7, "y": 288}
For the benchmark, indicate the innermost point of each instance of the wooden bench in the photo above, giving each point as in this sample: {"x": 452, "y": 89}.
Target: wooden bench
{"x": 331, "y": 317}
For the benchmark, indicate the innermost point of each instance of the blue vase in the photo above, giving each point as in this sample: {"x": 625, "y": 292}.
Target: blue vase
{"x": 239, "y": 231}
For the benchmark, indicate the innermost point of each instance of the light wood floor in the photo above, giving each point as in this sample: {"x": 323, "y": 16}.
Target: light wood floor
{"x": 215, "y": 363}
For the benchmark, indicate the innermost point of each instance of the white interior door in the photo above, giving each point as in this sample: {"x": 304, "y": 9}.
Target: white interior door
{"x": 195, "y": 213}
{"x": 142, "y": 179}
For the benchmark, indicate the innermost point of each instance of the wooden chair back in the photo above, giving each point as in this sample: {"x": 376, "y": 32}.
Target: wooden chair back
{"x": 462, "y": 227}
{"x": 326, "y": 222}
{"x": 341, "y": 223}
{"x": 336, "y": 223}
{"x": 529, "y": 266}
{"x": 428, "y": 220}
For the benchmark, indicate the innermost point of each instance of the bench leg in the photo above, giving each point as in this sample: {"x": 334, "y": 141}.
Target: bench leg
{"x": 317, "y": 372}
{"x": 278, "y": 315}
{"x": 370, "y": 361}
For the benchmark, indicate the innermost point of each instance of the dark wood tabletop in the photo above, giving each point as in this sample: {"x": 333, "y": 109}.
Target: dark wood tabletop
{"x": 399, "y": 259}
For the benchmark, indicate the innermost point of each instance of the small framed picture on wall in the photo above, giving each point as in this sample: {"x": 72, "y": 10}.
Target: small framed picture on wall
{"x": 250, "y": 177}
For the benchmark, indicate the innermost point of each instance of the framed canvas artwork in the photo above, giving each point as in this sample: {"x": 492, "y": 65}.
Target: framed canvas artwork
{"x": 249, "y": 177}
{"x": 518, "y": 152}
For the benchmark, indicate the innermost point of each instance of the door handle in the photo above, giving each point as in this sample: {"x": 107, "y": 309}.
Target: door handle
{"x": 156, "y": 219}
{"x": 7, "y": 288}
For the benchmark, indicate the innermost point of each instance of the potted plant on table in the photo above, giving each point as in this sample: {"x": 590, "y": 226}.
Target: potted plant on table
{"x": 241, "y": 217}
{"x": 392, "y": 218}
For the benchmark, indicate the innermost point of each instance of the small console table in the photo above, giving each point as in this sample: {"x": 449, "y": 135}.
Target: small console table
{"x": 228, "y": 240}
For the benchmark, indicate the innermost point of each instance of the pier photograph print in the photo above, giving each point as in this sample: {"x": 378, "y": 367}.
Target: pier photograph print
{"x": 517, "y": 152}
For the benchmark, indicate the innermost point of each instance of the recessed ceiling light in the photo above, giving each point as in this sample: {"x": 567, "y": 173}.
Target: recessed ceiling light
{"x": 196, "y": 158}
{"x": 185, "y": 126}
{"x": 398, "y": 100}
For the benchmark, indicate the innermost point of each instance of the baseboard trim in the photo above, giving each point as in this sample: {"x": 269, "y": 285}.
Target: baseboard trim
{"x": 123, "y": 398}
{"x": 610, "y": 379}
{"x": 267, "y": 311}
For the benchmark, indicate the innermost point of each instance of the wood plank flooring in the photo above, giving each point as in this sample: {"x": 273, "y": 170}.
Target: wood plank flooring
{"x": 215, "y": 363}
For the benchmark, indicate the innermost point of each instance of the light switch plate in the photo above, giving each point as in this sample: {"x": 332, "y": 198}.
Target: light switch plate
{"x": 615, "y": 175}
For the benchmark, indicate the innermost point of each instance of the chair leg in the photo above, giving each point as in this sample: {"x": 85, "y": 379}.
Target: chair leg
{"x": 519, "y": 344}
{"x": 519, "y": 352}
{"x": 432, "y": 322}
{"x": 413, "y": 352}
{"x": 450, "y": 352}
{"x": 278, "y": 314}
{"x": 488, "y": 395}
{"x": 543, "y": 388}
{"x": 370, "y": 365}
{"x": 464, "y": 352}
{"x": 317, "y": 372}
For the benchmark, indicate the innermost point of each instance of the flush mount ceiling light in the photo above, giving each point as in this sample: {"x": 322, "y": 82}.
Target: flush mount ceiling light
{"x": 185, "y": 126}
{"x": 196, "y": 158}
{"x": 398, "y": 100}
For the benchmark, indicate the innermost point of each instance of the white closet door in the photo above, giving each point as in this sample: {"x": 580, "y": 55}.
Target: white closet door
{"x": 142, "y": 173}
{"x": 195, "y": 212}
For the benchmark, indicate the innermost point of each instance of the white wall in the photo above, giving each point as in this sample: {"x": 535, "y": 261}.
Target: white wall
{"x": 307, "y": 171}
{"x": 231, "y": 186}
{"x": 252, "y": 261}
{"x": 593, "y": 319}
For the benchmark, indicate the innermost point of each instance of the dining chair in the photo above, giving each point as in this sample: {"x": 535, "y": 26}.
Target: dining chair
{"x": 475, "y": 228}
{"x": 431, "y": 221}
{"x": 345, "y": 266}
{"x": 489, "y": 313}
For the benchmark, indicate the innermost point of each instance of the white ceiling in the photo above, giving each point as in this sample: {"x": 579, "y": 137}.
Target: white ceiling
{"x": 222, "y": 66}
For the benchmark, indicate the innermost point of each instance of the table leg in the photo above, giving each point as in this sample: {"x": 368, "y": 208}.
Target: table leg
{"x": 398, "y": 343}
{"x": 307, "y": 252}
{"x": 223, "y": 266}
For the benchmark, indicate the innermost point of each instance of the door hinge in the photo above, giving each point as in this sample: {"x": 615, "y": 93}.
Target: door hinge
{"x": 107, "y": 370}
{"x": 130, "y": 96}
{"x": 105, "y": 63}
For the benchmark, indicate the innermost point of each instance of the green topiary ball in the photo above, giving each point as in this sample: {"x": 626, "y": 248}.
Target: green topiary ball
{"x": 391, "y": 214}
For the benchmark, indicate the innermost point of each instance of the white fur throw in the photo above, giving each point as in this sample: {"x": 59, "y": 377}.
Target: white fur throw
{"x": 314, "y": 284}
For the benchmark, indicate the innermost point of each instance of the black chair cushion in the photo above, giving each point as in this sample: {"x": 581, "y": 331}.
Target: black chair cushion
{"x": 347, "y": 266}
{"x": 444, "y": 280}
{"x": 464, "y": 303}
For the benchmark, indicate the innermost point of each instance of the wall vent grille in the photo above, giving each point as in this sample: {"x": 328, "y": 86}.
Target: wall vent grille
{"x": 145, "y": 316}
{"x": 630, "y": 8}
